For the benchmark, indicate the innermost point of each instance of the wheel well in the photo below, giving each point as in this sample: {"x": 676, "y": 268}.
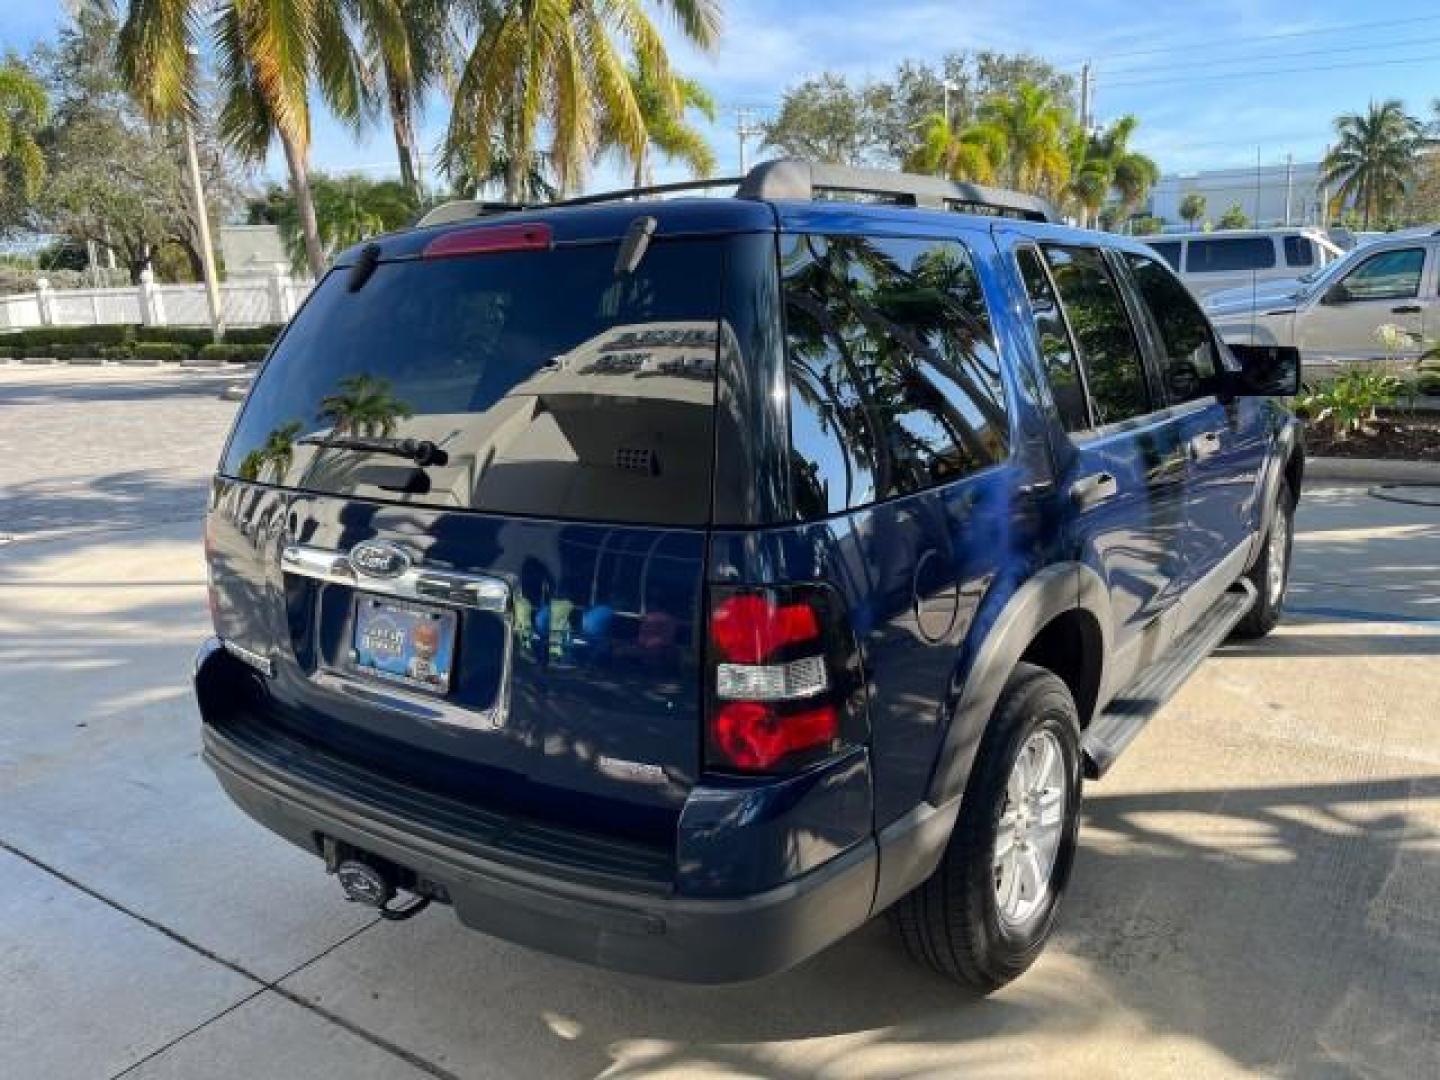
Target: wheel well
{"x": 1070, "y": 645}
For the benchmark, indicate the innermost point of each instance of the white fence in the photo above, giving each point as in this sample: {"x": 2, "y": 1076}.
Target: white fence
{"x": 254, "y": 302}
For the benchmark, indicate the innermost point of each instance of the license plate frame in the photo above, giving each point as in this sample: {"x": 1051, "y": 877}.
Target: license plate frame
{"x": 384, "y": 647}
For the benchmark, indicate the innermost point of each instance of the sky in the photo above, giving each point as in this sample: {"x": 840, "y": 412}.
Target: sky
{"x": 1210, "y": 81}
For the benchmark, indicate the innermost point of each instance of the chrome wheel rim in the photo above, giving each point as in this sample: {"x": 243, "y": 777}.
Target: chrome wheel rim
{"x": 1027, "y": 837}
{"x": 1276, "y": 556}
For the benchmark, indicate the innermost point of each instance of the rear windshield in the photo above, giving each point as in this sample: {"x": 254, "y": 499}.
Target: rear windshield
{"x": 552, "y": 386}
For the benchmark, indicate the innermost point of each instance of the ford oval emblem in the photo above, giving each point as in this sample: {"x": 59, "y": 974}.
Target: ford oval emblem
{"x": 379, "y": 558}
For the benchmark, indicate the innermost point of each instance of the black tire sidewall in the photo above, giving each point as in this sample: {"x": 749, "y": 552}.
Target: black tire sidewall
{"x": 1042, "y": 704}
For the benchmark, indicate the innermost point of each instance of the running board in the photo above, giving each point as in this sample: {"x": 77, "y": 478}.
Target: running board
{"x": 1115, "y": 728}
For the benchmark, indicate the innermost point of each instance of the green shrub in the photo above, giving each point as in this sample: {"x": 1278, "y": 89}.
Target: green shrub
{"x": 234, "y": 354}
{"x": 194, "y": 337}
{"x": 10, "y": 352}
{"x": 253, "y": 335}
{"x": 167, "y": 352}
{"x": 1347, "y": 404}
{"x": 45, "y": 336}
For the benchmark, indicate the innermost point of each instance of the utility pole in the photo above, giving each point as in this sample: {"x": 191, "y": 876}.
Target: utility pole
{"x": 948, "y": 85}
{"x": 744, "y": 130}
{"x": 1085, "y": 98}
{"x": 1289, "y": 183}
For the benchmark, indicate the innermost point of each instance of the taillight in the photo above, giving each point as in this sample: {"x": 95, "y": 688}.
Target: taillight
{"x": 783, "y": 677}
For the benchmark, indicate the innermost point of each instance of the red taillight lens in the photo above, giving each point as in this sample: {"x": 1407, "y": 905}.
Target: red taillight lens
{"x": 487, "y": 239}
{"x": 755, "y": 736}
{"x": 750, "y": 628}
{"x": 783, "y": 678}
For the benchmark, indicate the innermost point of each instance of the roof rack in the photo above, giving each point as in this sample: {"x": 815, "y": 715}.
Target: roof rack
{"x": 795, "y": 178}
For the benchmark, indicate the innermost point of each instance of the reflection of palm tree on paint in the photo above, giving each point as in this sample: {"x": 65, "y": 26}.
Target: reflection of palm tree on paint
{"x": 276, "y": 453}
{"x": 363, "y": 405}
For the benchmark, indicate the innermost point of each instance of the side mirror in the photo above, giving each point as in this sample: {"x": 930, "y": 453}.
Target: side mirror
{"x": 1339, "y": 293}
{"x": 1263, "y": 371}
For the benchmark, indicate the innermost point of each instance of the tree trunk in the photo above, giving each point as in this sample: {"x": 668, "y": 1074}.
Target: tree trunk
{"x": 406, "y": 147}
{"x": 300, "y": 188}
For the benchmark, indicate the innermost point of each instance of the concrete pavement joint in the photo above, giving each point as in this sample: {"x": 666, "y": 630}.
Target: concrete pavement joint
{"x": 409, "y": 1057}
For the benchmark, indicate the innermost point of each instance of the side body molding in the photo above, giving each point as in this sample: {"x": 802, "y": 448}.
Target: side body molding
{"x": 1053, "y": 591}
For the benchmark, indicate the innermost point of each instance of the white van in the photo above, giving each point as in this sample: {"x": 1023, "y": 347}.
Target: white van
{"x": 1210, "y": 261}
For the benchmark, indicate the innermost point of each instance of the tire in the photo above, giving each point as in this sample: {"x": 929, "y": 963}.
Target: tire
{"x": 957, "y": 921}
{"x": 1270, "y": 591}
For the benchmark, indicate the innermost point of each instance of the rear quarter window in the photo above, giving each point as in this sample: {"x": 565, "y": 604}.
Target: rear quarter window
{"x": 1299, "y": 251}
{"x": 553, "y": 386}
{"x": 1230, "y": 253}
{"x": 894, "y": 378}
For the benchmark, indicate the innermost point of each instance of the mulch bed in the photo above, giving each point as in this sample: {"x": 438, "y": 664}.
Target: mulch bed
{"x": 1396, "y": 437}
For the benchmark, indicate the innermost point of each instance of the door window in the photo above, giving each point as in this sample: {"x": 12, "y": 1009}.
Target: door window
{"x": 1169, "y": 250}
{"x": 1114, "y": 371}
{"x": 1390, "y": 275}
{"x": 894, "y": 377}
{"x": 1191, "y": 364}
{"x": 1057, "y": 352}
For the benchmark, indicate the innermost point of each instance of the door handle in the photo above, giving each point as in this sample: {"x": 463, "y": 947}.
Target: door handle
{"x": 1406, "y": 309}
{"x": 1093, "y": 489}
{"x": 1204, "y": 444}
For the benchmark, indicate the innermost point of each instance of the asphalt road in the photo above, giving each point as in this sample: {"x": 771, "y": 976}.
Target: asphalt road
{"x": 1256, "y": 891}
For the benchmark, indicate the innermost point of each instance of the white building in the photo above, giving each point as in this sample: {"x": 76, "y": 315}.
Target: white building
{"x": 1263, "y": 194}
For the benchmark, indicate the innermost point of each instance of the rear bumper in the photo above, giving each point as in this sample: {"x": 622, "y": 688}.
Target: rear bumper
{"x": 688, "y": 939}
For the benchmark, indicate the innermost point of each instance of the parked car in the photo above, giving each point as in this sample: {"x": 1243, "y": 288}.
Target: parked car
{"x": 1333, "y": 318}
{"x": 1210, "y": 261}
{"x": 676, "y": 585}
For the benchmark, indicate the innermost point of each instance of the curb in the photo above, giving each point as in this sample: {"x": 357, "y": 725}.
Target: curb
{"x": 1372, "y": 470}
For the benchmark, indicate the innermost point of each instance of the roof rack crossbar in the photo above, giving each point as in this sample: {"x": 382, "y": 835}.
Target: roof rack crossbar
{"x": 794, "y": 178}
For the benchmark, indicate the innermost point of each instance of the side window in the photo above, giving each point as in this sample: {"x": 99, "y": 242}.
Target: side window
{"x": 1113, "y": 368}
{"x": 1299, "y": 251}
{"x": 1230, "y": 253}
{"x": 894, "y": 377}
{"x": 1062, "y": 369}
{"x": 1390, "y": 275}
{"x": 1169, "y": 250}
{"x": 1191, "y": 360}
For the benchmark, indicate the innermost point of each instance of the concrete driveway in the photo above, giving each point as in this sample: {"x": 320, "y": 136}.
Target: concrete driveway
{"x": 1258, "y": 889}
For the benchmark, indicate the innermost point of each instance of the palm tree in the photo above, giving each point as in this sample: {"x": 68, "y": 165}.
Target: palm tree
{"x": 663, "y": 105}
{"x": 560, "y": 67}
{"x": 1373, "y": 158}
{"x": 1033, "y": 126}
{"x": 23, "y": 109}
{"x": 269, "y": 56}
{"x": 1102, "y": 163}
{"x": 972, "y": 152}
{"x": 363, "y": 405}
{"x": 348, "y": 209}
{"x": 410, "y": 43}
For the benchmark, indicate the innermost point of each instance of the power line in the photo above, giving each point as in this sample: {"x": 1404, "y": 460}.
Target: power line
{"x": 1210, "y": 61}
{"x": 1337, "y": 29}
{"x": 1310, "y": 70}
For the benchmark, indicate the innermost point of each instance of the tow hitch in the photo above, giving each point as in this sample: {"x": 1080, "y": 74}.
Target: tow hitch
{"x": 372, "y": 881}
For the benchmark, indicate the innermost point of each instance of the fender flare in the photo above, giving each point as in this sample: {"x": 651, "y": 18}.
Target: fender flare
{"x": 1053, "y": 591}
{"x": 1288, "y": 442}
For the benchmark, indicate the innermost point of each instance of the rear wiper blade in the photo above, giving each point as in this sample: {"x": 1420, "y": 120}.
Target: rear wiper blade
{"x": 421, "y": 451}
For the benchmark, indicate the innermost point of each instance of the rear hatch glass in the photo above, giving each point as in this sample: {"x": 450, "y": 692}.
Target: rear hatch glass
{"x": 551, "y": 385}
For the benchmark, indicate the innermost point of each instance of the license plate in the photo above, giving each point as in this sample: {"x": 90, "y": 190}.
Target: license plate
{"x": 404, "y": 643}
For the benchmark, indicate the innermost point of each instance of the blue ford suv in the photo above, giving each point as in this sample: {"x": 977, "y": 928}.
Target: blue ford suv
{"x": 676, "y": 584}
